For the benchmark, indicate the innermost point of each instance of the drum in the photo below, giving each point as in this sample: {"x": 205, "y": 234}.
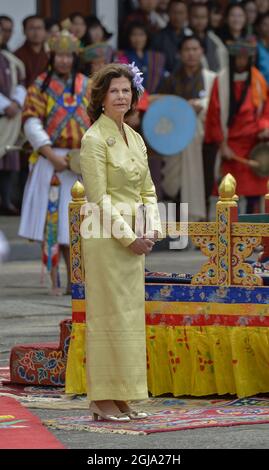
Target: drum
{"x": 260, "y": 154}
{"x": 169, "y": 125}
{"x": 74, "y": 165}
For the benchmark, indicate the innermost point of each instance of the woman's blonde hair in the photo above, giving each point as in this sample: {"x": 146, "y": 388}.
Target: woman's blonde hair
{"x": 100, "y": 84}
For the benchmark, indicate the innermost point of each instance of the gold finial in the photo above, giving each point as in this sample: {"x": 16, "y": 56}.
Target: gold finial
{"x": 78, "y": 192}
{"x": 227, "y": 190}
{"x": 231, "y": 178}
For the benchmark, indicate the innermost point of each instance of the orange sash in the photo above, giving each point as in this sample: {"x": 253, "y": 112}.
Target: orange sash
{"x": 258, "y": 88}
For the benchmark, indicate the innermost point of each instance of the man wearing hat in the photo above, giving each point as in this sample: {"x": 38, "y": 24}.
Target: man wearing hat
{"x": 238, "y": 114}
{"x": 55, "y": 119}
{"x": 95, "y": 56}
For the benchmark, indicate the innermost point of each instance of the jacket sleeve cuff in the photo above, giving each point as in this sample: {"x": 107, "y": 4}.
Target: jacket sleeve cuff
{"x": 127, "y": 238}
{"x": 127, "y": 241}
{"x": 35, "y": 133}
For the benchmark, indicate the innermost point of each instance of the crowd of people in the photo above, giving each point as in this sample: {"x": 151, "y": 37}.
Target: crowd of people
{"x": 217, "y": 59}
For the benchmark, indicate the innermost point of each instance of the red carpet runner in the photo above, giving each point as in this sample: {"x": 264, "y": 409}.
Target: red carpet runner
{"x": 20, "y": 429}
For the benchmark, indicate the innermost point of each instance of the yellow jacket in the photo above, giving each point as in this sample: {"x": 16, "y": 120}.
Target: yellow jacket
{"x": 110, "y": 167}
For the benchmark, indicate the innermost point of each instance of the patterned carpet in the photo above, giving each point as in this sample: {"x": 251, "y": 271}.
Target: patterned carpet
{"x": 166, "y": 414}
{"x": 175, "y": 415}
{"x": 20, "y": 429}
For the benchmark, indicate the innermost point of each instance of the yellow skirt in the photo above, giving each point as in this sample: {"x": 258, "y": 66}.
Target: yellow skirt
{"x": 115, "y": 321}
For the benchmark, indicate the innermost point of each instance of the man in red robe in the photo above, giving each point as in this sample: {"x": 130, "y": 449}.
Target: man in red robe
{"x": 238, "y": 118}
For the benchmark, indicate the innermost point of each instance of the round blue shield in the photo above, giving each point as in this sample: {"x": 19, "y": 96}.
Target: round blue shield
{"x": 169, "y": 125}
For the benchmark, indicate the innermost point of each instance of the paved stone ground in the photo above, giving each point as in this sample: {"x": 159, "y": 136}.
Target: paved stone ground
{"x": 28, "y": 313}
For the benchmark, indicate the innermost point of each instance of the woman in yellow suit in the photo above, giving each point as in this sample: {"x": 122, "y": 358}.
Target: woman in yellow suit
{"x": 117, "y": 180}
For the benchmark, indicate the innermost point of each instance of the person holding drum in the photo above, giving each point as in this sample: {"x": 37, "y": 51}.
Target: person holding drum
{"x": 238, "y": 117}
{"x": 183, "y": 175}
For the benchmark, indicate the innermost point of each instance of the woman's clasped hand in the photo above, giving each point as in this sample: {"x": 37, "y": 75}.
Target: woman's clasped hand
{"x": 142, "y": 246}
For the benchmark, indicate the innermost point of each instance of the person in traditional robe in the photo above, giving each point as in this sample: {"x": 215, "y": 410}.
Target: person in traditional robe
{"x": 183, "y": 175}
{"x": 55, "y": 119}
{"x": 32, "y": 53}
{"x": 12, "y": 96}
{"x": 237, "y": 117}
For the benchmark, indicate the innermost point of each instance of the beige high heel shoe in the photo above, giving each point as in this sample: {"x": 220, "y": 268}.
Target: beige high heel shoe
{"x": 97, "y": 413}
{"x": 133, "y": 414}
{"x": 137, "y": 414}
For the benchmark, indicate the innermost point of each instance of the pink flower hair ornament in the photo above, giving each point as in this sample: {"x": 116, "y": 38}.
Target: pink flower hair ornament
{"x": 137, "y": 78}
